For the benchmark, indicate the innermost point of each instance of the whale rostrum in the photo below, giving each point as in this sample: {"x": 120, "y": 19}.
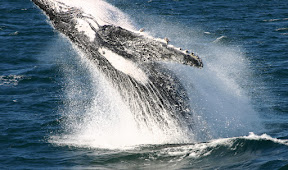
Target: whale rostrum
{"x": 132, "y": 62}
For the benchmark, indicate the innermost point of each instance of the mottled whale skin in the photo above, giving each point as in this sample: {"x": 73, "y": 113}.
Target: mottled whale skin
{"x": 152, "y": 92}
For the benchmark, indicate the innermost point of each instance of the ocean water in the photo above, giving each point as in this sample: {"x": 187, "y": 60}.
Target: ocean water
{"x": 59, "y": 112}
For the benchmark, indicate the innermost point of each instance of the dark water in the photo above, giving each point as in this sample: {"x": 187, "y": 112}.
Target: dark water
{"x": 43, "y": 87}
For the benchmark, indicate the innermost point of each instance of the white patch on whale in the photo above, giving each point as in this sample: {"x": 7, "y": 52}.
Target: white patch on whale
{"x": 83, "y": 26}
{"x": 124, "y": 65}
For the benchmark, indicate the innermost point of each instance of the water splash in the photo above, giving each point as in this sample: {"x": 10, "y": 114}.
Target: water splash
{"x": 95, "y": 115}
{"x": 220, "y": 92}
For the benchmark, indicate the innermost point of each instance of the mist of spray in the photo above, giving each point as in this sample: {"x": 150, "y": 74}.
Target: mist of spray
{"x": 96, "y": 116}
{"x": 218, "y": 94}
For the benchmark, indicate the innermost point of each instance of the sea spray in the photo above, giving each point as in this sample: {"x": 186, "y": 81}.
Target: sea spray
{"x": 102, "y": 119}
{"x": 217, "y": 95}
{"x": 220, "y": 92}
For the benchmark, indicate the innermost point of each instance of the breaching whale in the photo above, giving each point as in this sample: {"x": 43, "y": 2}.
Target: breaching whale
{"x": 131, "y": 62}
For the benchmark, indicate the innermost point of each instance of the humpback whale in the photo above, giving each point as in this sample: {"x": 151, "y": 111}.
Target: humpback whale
{"x": 131, "y": 61}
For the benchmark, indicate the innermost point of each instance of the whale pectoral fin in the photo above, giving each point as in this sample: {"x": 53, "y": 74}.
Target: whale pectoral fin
{"x": 172, "y": 54}
{"x": 193, "y": 60}
{"x": 143, "y": 49}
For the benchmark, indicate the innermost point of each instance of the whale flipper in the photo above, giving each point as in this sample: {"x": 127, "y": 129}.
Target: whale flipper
{"x": 140, "y": 48}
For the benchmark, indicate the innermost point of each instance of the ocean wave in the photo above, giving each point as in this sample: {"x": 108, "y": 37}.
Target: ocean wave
{"x": 225, "y": 146}
{"x": 275, "y": 19}
{"x": 10, "y": 80}
{"x": 192, "y": 150}
{"x": 223, "y": 153}
{"x": 281, "y": 29}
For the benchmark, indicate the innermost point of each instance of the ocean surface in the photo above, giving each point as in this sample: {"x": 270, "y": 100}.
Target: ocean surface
{"x": 57, "y": 112}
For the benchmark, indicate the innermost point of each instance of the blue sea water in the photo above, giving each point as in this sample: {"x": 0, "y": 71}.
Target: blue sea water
{"x": 46, "y": 89}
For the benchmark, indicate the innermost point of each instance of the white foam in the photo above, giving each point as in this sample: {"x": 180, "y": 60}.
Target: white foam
{"x": 204, "y": 149}
{"x": 11, "y": 80}
{"x": 219, "y": 39}
{"x": 253, "y": 136}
